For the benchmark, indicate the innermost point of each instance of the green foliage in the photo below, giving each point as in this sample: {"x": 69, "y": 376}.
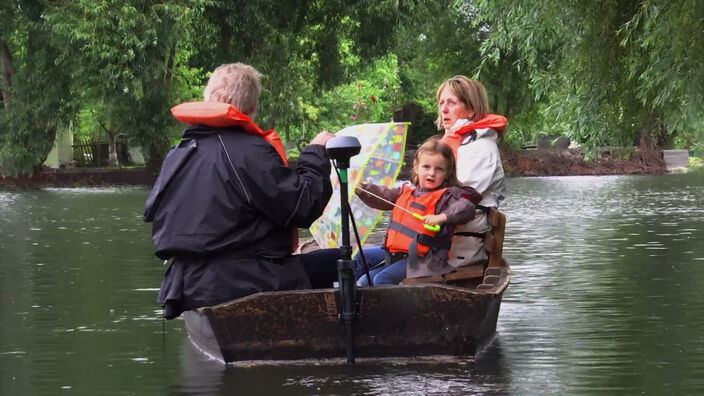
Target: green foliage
{"x": 604, "y": 73}
{"x": 522, "y": 129}
{"x": 611, "y": 70}
{"x": 36, "y": 106}
{"x": 132, "y": 63}
{"x": 696, "y": 162}
{"x": 23, "y": 146}
{"x": 367, "y": 98}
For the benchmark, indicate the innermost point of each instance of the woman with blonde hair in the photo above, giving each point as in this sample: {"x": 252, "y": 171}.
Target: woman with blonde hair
{"x": 473, "y": 134}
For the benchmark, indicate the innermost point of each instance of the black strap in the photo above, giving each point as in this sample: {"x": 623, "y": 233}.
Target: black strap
{"x": 416, "y": 205}
{"x": 423, "y": 239}
{"x": 412, "y": 260}
{"x": 480, "y": 235}
{"x": 403, "y": 229}
{"x": 434, "y": 242}
{"x": 391, "y": 258}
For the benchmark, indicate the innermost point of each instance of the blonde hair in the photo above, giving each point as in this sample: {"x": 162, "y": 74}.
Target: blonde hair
{"x": 237, "y": 84}
{"x": 434, "y": 146}
{"x": 469, "y": 92}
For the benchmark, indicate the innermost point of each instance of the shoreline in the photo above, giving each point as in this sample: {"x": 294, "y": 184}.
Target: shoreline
{"x": 519, "y": 163}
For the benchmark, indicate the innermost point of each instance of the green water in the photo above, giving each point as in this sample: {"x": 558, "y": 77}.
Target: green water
{"x": 604, "y": 299}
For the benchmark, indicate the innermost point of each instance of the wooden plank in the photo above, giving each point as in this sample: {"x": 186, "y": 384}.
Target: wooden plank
{"x": 468, "y": 272}
{"x": 499, "y": 225}
{"x": 489, "y": 243}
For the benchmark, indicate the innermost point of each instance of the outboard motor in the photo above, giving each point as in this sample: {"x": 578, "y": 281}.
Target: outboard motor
{"x": 341, "y": 149}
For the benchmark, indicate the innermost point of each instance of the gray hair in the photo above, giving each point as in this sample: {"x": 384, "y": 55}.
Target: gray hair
{"x": 237, "y": 84}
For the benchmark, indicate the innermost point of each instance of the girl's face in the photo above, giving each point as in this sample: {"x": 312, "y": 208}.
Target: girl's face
{"x": 431, "y": 170}
{"x": 451, "y": 108}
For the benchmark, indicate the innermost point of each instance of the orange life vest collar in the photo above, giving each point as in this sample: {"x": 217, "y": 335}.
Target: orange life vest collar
{"x": 220, "y": 115}
{"x": 404, "y": 228}
{"x": 493, "y": 121}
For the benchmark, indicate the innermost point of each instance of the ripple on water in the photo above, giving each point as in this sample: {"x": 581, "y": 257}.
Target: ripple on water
{"x": 589, "y": 309}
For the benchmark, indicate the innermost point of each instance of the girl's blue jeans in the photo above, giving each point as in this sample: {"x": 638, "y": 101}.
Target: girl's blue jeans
{"x": 381, "y": 275}
{"x": 321, "y": 267}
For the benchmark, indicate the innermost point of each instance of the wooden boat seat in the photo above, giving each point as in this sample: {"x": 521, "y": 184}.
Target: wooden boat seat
{"x": 489, "y": 269}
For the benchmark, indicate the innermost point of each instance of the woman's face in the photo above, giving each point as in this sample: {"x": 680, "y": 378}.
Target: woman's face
{"x": 451, "y": 108}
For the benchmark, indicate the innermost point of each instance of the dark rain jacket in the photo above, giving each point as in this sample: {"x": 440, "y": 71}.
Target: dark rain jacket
{"x": 224, "y": 207}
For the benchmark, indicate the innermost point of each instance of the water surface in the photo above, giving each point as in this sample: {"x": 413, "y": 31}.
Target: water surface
{"x": 604, "y": 299}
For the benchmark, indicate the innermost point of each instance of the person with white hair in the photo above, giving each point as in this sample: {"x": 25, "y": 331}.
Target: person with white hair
{"x": 226, "y": 207}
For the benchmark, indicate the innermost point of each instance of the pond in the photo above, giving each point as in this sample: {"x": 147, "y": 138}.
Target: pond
{"x": 604, "y": 299}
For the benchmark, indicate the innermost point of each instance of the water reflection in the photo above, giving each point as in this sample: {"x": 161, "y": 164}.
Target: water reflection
{"x": 604, "y": 299}
{"x": 488, "y": 375}
{"x": 616, "y": 265}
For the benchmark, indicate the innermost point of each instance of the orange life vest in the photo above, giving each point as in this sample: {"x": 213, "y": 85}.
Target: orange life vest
{"x": 219, "y": 115}
{"x": 493, "y": 121}
{"x": 407, "y": 233}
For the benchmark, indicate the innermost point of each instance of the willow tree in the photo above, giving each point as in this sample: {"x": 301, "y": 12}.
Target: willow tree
{"x": 129, "y": 63}
{"x": 35, "y": 87}
{"x": 611, "y": 71}
{"x": 435, "y": 40}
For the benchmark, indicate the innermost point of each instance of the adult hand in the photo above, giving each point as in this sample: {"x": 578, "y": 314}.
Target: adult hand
{"x": 322, "y": 138}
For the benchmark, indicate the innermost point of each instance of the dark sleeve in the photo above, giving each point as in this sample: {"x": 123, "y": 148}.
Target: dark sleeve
{"x": 468, "y": 193}
{"x": 289, "y": 197}
{"x": 456, "y": 204}
{"x": 389, "y": 194}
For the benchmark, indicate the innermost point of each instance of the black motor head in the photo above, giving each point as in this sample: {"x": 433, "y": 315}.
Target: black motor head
{"x": 342, "y": 148}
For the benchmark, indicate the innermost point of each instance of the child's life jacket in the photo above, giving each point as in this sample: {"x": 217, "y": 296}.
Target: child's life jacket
{"x": 407, "y": 233}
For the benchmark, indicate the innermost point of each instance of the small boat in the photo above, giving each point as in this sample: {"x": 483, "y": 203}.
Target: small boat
{"x": 453, "y": 315}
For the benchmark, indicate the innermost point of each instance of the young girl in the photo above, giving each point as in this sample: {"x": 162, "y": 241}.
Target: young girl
{"x": 412, "y": 248}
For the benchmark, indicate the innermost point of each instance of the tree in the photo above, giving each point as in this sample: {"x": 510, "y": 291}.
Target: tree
{"x": 130, "y": 64}
{"x": 612, "y": 71}
{"x": 35, "y": 87}
{"x": 305, "y": 49}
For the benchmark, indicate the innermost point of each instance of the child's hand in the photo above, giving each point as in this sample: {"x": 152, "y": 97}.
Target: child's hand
{"x": 435, "y": 219}
{"x": 359, "y": 190}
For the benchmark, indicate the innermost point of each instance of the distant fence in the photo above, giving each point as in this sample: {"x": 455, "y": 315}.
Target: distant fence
{"x": 93, "y": 153}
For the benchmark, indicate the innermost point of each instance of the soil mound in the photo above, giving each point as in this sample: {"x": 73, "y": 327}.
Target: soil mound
{"x": 569, "y": 162}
